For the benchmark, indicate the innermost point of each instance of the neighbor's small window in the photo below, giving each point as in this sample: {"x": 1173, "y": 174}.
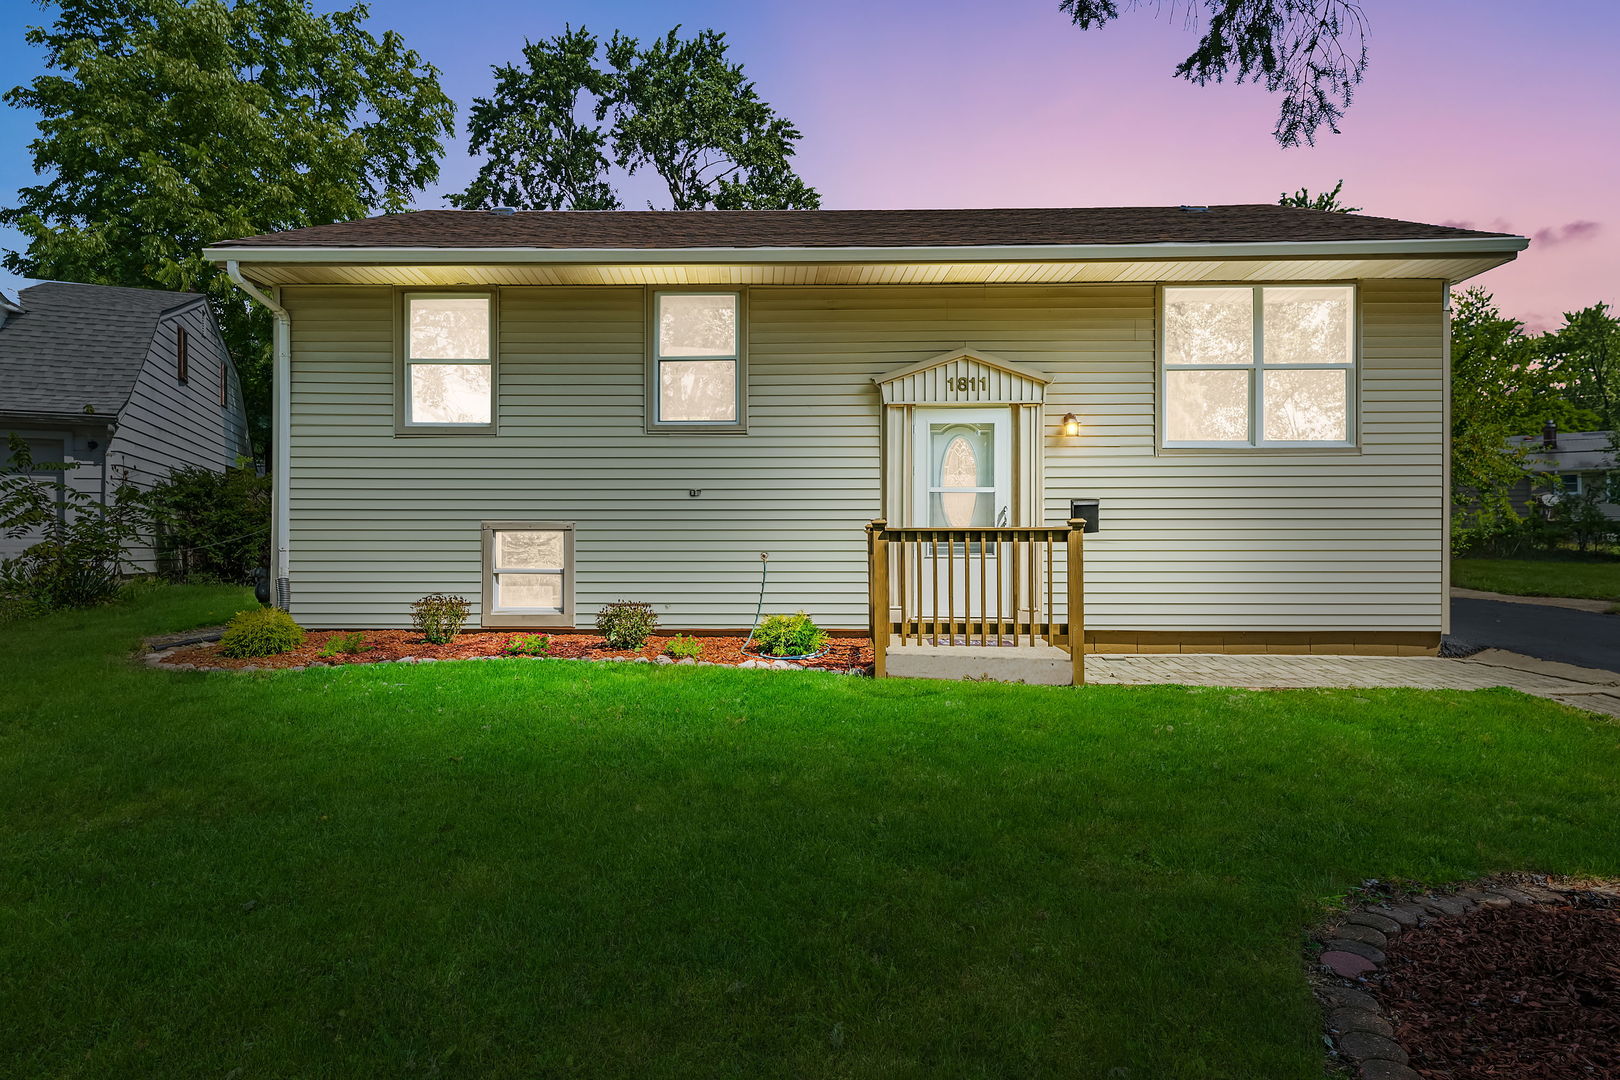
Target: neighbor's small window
{"x": 1570, "y": 484}
{"x": 528, "y": 573}
{"x": 182, "y": 355}
{"x": 224, "y": 382}
{"x": 696, "y": 373}
{"x": 1269, "y": 365}
{"x": 1611, "y": 488}
{"x": 449, "y": 363}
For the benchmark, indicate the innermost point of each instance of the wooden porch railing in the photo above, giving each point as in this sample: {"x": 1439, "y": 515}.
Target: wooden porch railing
{"x": 977, "y": 586}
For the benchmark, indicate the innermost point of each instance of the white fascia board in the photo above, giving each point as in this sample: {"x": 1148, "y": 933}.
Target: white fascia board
{"x": 394, "y": 256}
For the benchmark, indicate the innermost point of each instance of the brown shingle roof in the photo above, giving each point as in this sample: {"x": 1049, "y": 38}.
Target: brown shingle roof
{"x": 660, "y": 229}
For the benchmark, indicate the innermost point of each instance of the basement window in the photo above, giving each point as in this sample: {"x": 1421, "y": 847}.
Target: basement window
{"x": 696, "y": 368}
{"x": 528, "y": 573}
{"x": 447, "y": 373}
{"x": 1259, "y": 366}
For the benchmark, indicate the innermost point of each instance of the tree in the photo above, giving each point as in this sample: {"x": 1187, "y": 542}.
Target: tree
{"x": 540, "y": 153}
{"x": 555, "y": 129}
{"x": 1313, "y": 52}
{"x": 1499, "y": 389}
{"x": 1584, "y": 359}
{"x": 167, "y": 125}
{"x": 1322, "y": 200}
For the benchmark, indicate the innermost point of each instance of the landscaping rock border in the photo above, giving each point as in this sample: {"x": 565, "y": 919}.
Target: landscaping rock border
{"x": 1354, "y": 1023}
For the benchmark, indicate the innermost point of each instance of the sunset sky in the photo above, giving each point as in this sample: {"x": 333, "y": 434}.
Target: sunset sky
{"x": 1493, "y": 113}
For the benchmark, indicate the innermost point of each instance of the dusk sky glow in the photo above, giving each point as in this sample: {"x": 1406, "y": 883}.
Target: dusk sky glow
{"x": 1489, "y": 113}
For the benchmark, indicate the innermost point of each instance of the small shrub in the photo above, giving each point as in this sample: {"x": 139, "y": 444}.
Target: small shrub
{"x": 438, "y": 617}
{"x": 351, "y": 644}
{"x": 683, "y": 647}
{"x": 626, "y": 624}
{"x": 789, "y": 635}
{"x": 528, "y": 645}
{"x": 260, "y": 632}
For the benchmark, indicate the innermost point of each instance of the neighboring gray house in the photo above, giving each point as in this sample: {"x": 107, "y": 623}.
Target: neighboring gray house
{"x": 126, "y": 383}
{"x": 1570, "y": 463}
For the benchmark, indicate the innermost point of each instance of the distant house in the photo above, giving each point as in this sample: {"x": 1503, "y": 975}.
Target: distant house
{"x": 127, "y": 384}
{"x": 1569, "y": 463}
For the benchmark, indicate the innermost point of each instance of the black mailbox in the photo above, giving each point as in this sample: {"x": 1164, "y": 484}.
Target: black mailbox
{"x": 1089, "y": 511}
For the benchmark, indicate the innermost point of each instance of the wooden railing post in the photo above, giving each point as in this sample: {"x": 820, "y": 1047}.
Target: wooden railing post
{"x": 1077, "y": 599}
{"x": 877, "y": 549}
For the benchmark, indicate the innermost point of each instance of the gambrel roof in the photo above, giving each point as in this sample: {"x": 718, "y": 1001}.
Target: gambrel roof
{"x": 76, "y": 350}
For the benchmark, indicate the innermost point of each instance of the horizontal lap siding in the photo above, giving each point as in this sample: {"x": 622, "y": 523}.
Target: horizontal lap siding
{"x": 1227, "y": 541}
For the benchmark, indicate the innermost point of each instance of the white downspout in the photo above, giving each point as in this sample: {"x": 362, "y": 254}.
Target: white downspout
{"x": 280, "y": 430}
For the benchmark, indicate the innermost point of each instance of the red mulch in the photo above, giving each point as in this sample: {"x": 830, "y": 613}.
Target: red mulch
{"x": 842, "y": 654}
{"x": 1527, "y": 993}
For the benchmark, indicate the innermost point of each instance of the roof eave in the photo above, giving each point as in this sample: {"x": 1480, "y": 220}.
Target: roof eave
{"x": 1504, "y": 246}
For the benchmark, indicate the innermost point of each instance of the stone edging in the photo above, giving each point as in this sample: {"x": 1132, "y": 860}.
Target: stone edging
{"x": 159, "y": 649}
{"x": 1352, "y": 949}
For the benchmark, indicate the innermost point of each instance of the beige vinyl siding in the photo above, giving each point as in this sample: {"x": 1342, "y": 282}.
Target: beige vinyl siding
{"x": 1237, "y": 540}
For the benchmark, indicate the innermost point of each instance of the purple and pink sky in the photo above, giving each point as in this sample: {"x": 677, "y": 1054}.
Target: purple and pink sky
{"x": 1499, "y": 114}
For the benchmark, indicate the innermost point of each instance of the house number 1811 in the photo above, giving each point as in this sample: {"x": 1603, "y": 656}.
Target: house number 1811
{"x": 960, "y": 383}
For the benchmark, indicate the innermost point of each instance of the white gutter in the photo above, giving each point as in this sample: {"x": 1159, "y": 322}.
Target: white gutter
{"x": 1465, "y": 245}
{"x": 280, "y": 430}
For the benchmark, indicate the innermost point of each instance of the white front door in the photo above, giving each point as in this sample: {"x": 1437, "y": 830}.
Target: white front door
{"x": 963, "y": 480}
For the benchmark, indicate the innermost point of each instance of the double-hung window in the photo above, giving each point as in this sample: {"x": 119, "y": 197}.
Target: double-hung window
{"x": 1259, "y": 366}
{"x": 528, "y": 573}
{"x": 696, "y": 368}
{"x": 447, "y": 377}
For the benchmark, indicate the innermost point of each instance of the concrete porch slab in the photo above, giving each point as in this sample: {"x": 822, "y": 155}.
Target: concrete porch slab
{"x": 1039, "y": 664}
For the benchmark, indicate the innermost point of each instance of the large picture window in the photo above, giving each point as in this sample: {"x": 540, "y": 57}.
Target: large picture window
{"x": 696, "y": 368}
{"x": 448, "y": 377}
{"x": 528, "y": 573}
{"x": 1268, "y": 365}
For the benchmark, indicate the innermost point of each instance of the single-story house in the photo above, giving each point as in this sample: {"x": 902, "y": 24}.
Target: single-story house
{"x": 1578, "y": 463}
{"x": 124, "y": 384}
{"x": 548, "y": 411}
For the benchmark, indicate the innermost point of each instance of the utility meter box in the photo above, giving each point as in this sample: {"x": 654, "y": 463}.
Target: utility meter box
{"x": 1088, "y": 510}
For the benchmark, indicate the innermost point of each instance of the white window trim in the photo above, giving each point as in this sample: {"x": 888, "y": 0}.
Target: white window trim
{"x": 654, "y": 423}
{"x": 1257, "y": 368}
{"x": 494, "y": 618}
{"x": 403, "y": 424}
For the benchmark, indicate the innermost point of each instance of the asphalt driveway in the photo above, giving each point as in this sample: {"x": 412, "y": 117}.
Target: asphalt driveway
{"x": 1548, "y": 633}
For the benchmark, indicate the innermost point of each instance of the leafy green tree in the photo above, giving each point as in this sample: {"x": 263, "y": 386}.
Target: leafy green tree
{"x": 1322, "y": 200}
{"x": 540, "y": 153}
{"x": 1584, "y": 359}
{"x": 556, "y": 128}
{"x": 1499, "y": 389}
{"x": 168, "y": 125}
{"x": 1313, "y": 52}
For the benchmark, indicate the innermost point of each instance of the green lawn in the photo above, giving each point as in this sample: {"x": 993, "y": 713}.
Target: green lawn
{"x": 533, "y": 868}
{"x": 1595, "y": 577}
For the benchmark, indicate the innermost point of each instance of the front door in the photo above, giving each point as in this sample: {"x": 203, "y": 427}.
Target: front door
{"x": 963, "y": 480}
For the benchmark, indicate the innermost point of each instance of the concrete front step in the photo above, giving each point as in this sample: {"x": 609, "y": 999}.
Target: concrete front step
{"x": 1039, "y": 664}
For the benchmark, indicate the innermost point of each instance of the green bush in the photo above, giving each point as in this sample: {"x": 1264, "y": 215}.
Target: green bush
{"x": 626, "y": 624}
{"x": 351, "y": 644}
{"x": 683, "y": 647}
{"x": 528, "y": 645}
{"x": 260, "y": 632}
{"x": 78, "y": 546}
{"x": 211, "y": 526}
{"x": 789, "y": 635}
{"x": 438, "y": 617}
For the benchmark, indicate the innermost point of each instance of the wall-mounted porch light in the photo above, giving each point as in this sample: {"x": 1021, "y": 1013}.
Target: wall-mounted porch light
{"x": 1071, "y": 426}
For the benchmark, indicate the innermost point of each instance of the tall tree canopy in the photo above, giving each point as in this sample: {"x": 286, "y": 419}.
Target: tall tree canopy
{"x": 166, "y": 125}
{"x": 1322, "y": 200}
{"x": 555, "y": 128}
{"x": 1583, "y": 356}
{"x": 1312, "y": 52}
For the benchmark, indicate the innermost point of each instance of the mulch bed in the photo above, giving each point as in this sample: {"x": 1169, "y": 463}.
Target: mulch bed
{"x": 1527, "y": 993}
{"x": 843, "y": 654}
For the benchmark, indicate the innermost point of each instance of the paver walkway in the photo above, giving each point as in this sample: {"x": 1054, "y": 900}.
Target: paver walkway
{"x": 1585, "y": 688}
